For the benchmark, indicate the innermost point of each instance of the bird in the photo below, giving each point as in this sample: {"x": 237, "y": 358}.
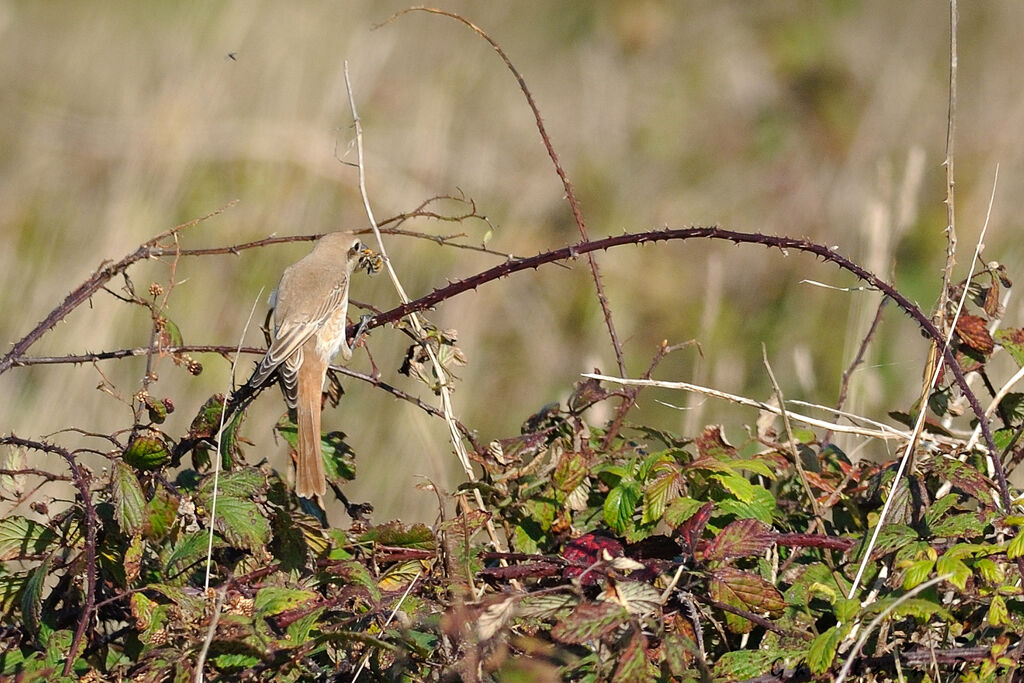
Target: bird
{"x": 310, "y": 313}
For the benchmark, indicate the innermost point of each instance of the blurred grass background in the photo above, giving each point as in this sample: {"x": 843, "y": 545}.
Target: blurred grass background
{"x": 825, "y": 120}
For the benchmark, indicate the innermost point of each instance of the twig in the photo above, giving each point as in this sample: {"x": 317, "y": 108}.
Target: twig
{"x": 220, "y": 435}
{"x": 570, "y": 195}
{"x": 210, "y": 632}
{"x": 102, "y": 275}
{"x": 439, "y": 371}
{"x": 845, "y": 671}
{"x": 81, "y": 483}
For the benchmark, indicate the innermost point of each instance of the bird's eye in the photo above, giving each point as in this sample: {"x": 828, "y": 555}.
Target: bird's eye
{"x": 357, "y": 247}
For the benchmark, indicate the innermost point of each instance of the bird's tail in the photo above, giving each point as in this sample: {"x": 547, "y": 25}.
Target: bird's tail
{"x": 310, "y": 478}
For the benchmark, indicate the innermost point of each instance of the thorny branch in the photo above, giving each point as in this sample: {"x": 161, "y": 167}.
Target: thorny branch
{"x": 570, "y": 195}
{"x": 81, "y": 480}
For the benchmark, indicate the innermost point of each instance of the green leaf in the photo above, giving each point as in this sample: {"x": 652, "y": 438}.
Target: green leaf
{"x": 570, "y": 472}
{"x": 751, "y": 465}
{"x": 161, "y": 512}
{"x": 590, "y": 621}
{"x": 242, "y": 523}
{"x": 1016, "y": 547}
{"x": 233, "y": 661}
{"x": 746, "y": 591}
{"x": 934, "y": 513}
{"x": 963, "y": 476}
{"x": 147, "y": 452}
{"x": 11, "y": 586}
{"x": 742, "y": 538}
{"x": 660, "y": 490}
{"x": 129, "y": 500}
{"x": 272, "y": 600}
{"x": 400, "y": 535}
{"x": 680, "y": 510}
{"x": 918, "y": 573}
{"x": 990, "y": 572}
{"x": 187, "y": 551}
{"x": 299, "y": 630}
{"x": 1012, "y": 340}
{"x": 20, "y": 537}
{"x": 32, "y": 596}
{"x": 762, "y": 506}
{"x": 998, "y": 615}
{"x": 951, "y": 565}
{"x": 739, "y": 665}
{"x": 918, "y": 608}
{"x": 823, "y": 650}
{"x": 738, "y": 486}
{"x": 245, "y": 484}
{"x": 620, "y": 505}
{"x": 965, "y": 524}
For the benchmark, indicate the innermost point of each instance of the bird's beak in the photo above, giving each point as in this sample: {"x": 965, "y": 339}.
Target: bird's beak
{"x": 371, "y": 261}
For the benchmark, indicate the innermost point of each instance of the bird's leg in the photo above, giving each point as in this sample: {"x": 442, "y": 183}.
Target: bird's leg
{"x": 364, "y": 322}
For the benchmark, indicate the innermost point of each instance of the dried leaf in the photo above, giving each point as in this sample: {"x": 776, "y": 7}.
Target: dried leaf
{"x": 963, "y": 476}
{"x": 634, "y": 666}
{"x": 975, "y": 334}
{"x": 712, "y": 444}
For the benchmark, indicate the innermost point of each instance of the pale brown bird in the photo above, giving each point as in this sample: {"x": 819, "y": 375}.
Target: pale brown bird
{"x": 310, "y": 309}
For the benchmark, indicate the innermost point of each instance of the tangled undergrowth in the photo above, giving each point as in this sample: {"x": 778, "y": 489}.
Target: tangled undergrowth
{"x": 634, "y": 554}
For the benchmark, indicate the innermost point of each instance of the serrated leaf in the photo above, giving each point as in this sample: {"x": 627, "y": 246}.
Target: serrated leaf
{"x": 998, "y": 615}
{"x": 823, "y": 650}
{"x": 234, "y": 660}
{"x": 142, "y": 609}
{"x": 918, "y": 573}
{"x": 129, "y": 500}
{"x": 590, "y": 621}
{"x": 680, "y": 510}
{"x": 935, "y": 512}
{"x": 990, "y": 572}
{"x": 918, "y": 608}
{"x": 271, "y": 600}
{"x": 357, "y": 574}
{"x": 678, "y": 652}
{"x": 21, "y": 537}
{"x": 1015, "y": 548}
{"x": 545, "y": 605}
{"x": 892, "y": 537}
{"x": 739, "y": 665}
{"x": 187, "y": 551}
{"x": 32, "y": 596}
{"x": 570, "y": 472}
{"x": 747, "y": 591}
{"x": 964, "y": 524}
{"x": 973, "y": 331}
{"x": 738, "y": 486}
{"x": 750, "y": 465}
{"x": 950, "y": 565}
{"x": 633, "y": 663}
{"x": 241, "y": 523}
{"x": 620, "y": 504}
{"x": 1012, "y": 339}
{"x": 712, "y": 444}
{"x": 400, "y": 575}
{"x": 400, "y": 535}
{"x": 742, "y": 538}
{"x": 11, "y": 587}
{"x": 242, "y": 484}
{"x": 494, "y": 617}
{"x": 963, "y": 476}
{"x": 636, "y": 596}
{"x": 761, "y": 507}
{"x": 661, "y": 490}
{"x": 147, "y": 451}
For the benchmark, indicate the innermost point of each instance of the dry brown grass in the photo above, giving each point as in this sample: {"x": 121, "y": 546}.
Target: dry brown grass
{"x": 117, "y": 123}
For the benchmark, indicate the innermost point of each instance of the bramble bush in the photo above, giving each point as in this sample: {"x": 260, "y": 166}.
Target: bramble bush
{"x": 581, "y": 548}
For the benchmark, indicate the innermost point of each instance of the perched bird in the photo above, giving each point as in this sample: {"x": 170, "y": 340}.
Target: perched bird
{"x": 310, "y": 308}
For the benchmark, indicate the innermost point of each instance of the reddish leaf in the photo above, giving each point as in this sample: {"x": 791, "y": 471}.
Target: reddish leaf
{"x": 690, "y": 531}
{"x": 711, "y": 444}
{"x": 590, "y": 621}
{"x": 991, "y": 305}
{"x": 584, "y": 551}
{"x": 746, "y": 591}
{"x": 633, "y": 663}
{"x": 962, "y": 476}
{"x": 972, "y": 331}
{"x": 742, "y": 538}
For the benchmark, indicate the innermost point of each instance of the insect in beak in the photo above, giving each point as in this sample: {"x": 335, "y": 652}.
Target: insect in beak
{"x": 371, "y": 261}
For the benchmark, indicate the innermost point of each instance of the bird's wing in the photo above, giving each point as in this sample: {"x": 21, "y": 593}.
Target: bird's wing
{"x": 291, "y": 334}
